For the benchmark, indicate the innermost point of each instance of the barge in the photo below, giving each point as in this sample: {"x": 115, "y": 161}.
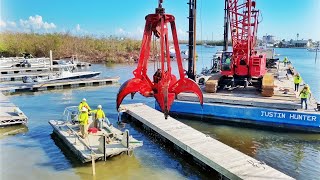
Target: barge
{"x": 247, "y": 105}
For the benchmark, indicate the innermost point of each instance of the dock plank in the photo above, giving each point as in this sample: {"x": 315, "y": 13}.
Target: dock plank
{"x": 291, "y": 103}
{"x": 10, "y": 114}
{"x": 224, "y": 159}
{"x": 72, "y": 83}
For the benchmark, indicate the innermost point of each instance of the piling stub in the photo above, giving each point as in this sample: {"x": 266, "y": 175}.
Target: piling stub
{"x": 51, "y": 60}
{"x": 93, "y": 164}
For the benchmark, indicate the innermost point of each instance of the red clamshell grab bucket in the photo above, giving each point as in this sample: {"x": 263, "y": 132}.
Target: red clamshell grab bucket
{"x": 165, "y": 87}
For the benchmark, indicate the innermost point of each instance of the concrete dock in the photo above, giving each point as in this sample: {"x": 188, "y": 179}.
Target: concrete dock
{"x": 9, "y": 113}
{"x": 70, "y": 83}
{"x": 227, "y": 161}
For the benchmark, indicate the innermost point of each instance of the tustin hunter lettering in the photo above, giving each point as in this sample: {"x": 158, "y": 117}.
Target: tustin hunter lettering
{"x": 294, "y": 116}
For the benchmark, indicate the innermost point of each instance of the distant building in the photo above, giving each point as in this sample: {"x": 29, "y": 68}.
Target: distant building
{"x": 301, "y": 43}
{"x": 268, "y": 39}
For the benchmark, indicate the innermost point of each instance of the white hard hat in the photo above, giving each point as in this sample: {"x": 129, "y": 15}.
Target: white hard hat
{"x": 99, "y": 106}
{"x": 84, "y": 99}
{"x": 84, "y": 109}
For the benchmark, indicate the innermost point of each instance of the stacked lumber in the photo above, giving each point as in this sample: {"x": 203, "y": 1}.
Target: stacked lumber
{"x": 211, "y": 86}
{"x": 268, "y": 85}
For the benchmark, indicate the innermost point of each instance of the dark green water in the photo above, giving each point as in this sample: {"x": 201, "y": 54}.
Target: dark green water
{"x": 33, "y": 153}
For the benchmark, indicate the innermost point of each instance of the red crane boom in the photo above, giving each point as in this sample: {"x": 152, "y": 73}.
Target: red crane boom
{"x": 245, "y": 63}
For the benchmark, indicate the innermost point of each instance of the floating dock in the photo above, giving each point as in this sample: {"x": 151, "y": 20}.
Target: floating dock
{"x": 283, "y": 110}
{"x": 14, "y": 61}
{"x": 17, "y": 70}
{"x": 9, "y": 113}
{"x": 227, "y": 161}
{"x": 19, "y": 76}
{"x": 99, "y": 145}
{"x": 61, "y": 84}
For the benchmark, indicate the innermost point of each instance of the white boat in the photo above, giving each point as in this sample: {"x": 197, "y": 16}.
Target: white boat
{"x": 206, "y": 72}
{"x": 313, "y": 49}
{"x": 99, "y": 145}
{"x": 63, "y": 74}
{"x": 183, "y": 53}
{"x": 208, "y": 46}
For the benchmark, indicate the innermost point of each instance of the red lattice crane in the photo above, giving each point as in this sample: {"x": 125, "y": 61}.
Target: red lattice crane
{"x": 243, "y": 66}
{"x": 165, "y": 86}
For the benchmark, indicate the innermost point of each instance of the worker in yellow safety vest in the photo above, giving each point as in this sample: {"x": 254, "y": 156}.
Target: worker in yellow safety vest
{"x": 305, "y": 93}
{"x": 285, "y": 61}
{"x": 100, "y": 117}
{"x": 84, "y": 121}
{"x": 84, "y": 103}
{"x": 297, "y": 80}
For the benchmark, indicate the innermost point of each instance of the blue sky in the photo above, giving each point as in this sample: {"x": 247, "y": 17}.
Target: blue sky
{"x": 281, "y": 18}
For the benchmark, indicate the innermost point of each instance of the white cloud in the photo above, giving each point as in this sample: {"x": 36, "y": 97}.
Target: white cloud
{"x": 49, "y": 25}
{"x": 78, "y": 28}
{"x": 135, "y": 34}
{"x": 11, "y": 23}
{"x": 182, "y": 34}
{"x": 36, "y": 22}
{"x": 121, "y": 31}
{"x": 138, "y": 33}
{"x": 3, "y": 23}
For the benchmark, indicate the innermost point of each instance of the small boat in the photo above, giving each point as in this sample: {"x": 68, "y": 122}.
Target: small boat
{"x": 206, "y": 72}
{"x": 183, "y": 53}
{"x": 313, "y": 49}
{"x": 99, "y": 145}
{"x": 63, "y": 74}
{"x": 208, "y": 46}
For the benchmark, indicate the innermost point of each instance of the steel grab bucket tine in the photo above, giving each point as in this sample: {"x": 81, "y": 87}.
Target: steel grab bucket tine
{"x": 131, "y": 86}
{"x": 187, "y": 85}
{"x": 165, "y": 99}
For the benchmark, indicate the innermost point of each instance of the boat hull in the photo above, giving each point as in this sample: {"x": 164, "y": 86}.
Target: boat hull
{"x": 288, "y": 119}
{"x": 78, "y": 76}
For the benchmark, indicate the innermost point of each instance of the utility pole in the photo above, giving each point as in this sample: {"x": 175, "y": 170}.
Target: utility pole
{"x": 226, "y": 26}
{"x": 192, "y": 40}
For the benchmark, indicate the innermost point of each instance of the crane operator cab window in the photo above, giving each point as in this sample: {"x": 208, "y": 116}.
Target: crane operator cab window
{"x": 226, "y": 61}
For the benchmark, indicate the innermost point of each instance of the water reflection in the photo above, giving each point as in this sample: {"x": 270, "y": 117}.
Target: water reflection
{"x": 292, "y": 153}
{"x": 12, "y": 130}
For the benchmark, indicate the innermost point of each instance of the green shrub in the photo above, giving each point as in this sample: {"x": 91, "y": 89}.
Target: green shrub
{"x": 88, "y": 48}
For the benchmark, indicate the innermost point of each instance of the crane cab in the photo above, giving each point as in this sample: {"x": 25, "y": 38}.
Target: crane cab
{"x": 226, "y": 63}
